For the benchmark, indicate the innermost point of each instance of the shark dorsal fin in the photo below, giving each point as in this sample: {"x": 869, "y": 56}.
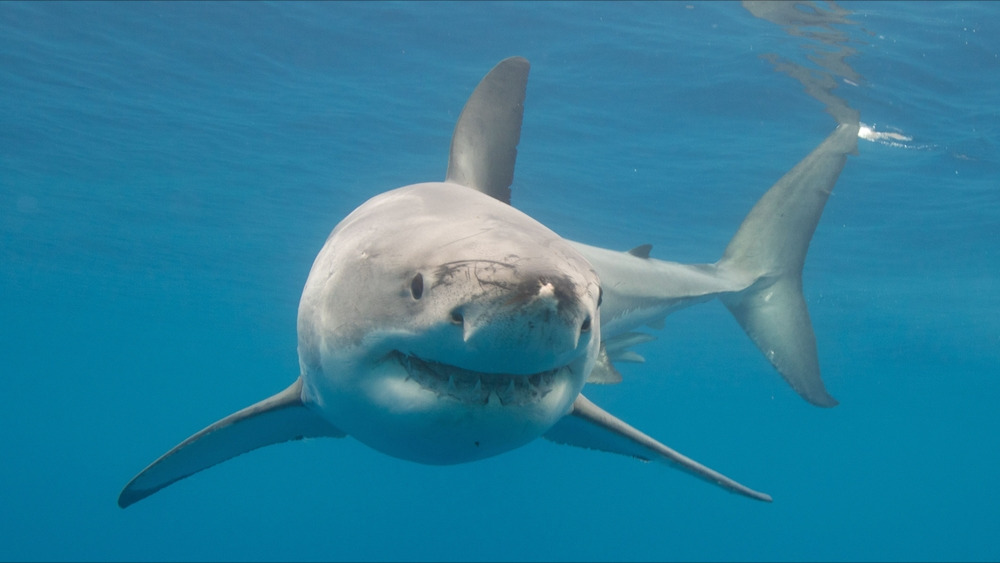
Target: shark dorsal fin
{"x": 484, "y": 144}
{"x": 641, "y": 251}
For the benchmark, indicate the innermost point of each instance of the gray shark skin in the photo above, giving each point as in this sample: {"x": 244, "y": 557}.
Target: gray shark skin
{"x": 441, "y": 325}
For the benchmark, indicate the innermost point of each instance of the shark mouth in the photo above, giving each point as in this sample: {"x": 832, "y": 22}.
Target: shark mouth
{"x": 479, "y": 388}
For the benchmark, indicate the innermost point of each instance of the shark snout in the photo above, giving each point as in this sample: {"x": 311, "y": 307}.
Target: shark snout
{"x": 540, "y": 322}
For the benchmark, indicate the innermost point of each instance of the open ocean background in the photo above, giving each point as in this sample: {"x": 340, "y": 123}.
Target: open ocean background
{"x": 168, "y": 172}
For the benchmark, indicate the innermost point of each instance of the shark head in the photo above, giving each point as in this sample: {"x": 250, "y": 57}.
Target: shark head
{"x": 441, "y": 325}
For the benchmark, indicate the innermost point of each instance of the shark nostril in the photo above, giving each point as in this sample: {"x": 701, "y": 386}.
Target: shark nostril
{"x": 585, "y": 327}
{"x": 457, "y": 318}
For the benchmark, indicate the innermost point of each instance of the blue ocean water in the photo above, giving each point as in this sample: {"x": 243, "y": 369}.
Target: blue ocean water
{"x": 168, "y": 172}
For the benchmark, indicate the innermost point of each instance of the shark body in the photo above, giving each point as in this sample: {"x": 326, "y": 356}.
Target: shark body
{"x": 440, "y": 324}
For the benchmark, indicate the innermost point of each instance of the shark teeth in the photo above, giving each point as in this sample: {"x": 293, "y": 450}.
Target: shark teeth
{"x": 475, "y": 387}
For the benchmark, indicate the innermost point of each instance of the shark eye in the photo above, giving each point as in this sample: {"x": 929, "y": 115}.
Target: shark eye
{"x": 585, "y": 327}
{"x": 417, "y": 286}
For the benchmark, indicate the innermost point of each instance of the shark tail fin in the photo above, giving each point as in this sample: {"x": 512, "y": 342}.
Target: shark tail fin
{"x": 279, "y": 418}
{"x": 769, "y": 250}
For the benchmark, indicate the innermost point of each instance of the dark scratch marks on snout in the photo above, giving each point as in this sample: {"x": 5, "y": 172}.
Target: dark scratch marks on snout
{"x": 481, "y": 232}
{"x": 483, "y": 271}
{"x": 563, "y": 290}
{"x": 520, "y": 286}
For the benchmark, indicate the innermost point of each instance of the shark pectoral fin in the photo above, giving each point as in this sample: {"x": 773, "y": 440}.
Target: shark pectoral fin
{"x": 590, "y": 426}
{"x": 279, "y": 418}
{"x": 484, "y": 144}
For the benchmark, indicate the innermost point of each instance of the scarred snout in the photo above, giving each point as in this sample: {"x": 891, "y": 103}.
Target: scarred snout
{"x": 545, "y": 319}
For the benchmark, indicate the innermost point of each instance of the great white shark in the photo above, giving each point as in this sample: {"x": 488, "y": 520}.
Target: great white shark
{"x": 441, "y": 325}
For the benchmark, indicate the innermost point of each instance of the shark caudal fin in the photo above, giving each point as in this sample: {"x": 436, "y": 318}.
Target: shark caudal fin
{"x": 769, "y": 249}
{"x": 279, "y": 418}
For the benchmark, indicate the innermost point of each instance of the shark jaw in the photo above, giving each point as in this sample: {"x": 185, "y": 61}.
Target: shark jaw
{"x": 450, "y": 382}
{"x": 437, "y": 413}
